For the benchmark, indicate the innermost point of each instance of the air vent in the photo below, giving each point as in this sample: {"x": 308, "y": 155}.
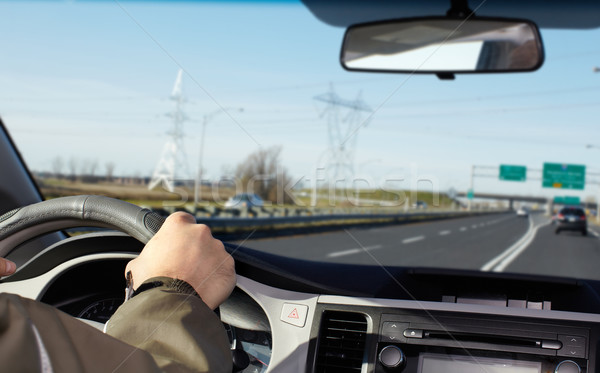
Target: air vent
{"x": 341, "y": 342}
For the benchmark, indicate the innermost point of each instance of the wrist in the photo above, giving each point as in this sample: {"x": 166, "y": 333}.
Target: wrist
{"x": 180, "y": 286}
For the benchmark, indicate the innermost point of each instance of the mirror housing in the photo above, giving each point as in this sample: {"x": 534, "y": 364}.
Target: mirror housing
{"x": 443, "y": 46}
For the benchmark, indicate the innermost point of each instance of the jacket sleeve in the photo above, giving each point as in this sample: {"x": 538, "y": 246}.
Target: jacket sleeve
{"x": 176, "y": 327}
{"x": 35, "y": 337}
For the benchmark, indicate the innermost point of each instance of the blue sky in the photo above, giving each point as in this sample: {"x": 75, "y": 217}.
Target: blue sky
{"x": 103, "y": 71}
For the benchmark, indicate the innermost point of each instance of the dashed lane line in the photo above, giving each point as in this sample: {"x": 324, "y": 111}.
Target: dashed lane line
{"x": 357, "y": 250}
{"x": 413, "y": 239}
{"x": 409, "y": 240}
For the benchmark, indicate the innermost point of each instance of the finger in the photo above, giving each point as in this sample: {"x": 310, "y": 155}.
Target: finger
{"x": 7, "y": 267}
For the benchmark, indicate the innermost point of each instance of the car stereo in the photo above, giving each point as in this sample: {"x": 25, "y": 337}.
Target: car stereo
{"x": 426, "y": 343}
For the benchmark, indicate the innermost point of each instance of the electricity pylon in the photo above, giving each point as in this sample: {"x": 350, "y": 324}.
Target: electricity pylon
{"x": 342, "y": 132}
{"x": 173, "y": 161}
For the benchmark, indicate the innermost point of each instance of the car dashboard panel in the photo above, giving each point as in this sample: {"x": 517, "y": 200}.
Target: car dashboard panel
{"x": 285, "y": 328}
{"x": 294, "y": 331}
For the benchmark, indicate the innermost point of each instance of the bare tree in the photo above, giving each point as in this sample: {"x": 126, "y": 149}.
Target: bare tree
{"x": 73, "y": 167}
{"x": 57, "y": 165}
{"x": 261, "y": 173}
{"x": 84, "y": 169}
{"x": 110, "y": 169}
{"x": 93, "y": 167}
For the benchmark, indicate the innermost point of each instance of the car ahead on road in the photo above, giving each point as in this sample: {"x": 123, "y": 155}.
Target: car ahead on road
{"x": 523, "y": 212}
{"x": 244, "y": 201}
{"x": 571, "y": 218}
{"x": 420, "y": 205}
{"x": 85, "y": 84}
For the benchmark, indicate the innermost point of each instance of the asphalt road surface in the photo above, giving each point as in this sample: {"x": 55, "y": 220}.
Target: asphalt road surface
{"x": 498, "y": 242}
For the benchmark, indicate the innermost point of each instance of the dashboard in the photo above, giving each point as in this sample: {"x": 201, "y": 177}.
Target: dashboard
{"x": 284, "y": 323}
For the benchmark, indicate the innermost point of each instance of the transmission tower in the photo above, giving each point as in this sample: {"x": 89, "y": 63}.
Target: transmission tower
{"x": 173, "y": 161}
{"x": 342, "y": 132}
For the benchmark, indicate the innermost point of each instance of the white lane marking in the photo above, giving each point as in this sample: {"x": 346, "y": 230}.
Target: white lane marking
{"x": 444, "y": 233}
{"x": 342, "y": 253}
{"x": 474, "y": 226}
{"x": 462, "y": 229}
{"x": 593, "y": 232}
{"x": 353, "y": 251}
{"x": 482, "y": 225}
{"x": 499, "y": 220}
{"x": 500, "y": 262}
{"x": 413, "y": 239}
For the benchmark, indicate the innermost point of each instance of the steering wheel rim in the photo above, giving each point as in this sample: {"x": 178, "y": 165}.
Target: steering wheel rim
{"x": 25, "y": 223}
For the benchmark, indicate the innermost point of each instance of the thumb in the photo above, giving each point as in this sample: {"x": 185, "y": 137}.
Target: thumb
{"x": 7, "y": 267}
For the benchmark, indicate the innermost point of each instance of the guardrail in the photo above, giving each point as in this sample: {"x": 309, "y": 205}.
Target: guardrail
{"x": 242, "y": 228}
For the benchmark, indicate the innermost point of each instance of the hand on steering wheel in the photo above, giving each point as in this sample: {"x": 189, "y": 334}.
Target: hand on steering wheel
{"x": 187, "y": 251}
{"x": 183, "y": 249}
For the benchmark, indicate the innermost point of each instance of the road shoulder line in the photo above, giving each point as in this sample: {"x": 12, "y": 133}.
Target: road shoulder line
{"x": 500, "y": 262}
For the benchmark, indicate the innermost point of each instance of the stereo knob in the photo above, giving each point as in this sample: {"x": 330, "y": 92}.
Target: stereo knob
{"x": 567, "y": 366}
{"x": 391, "y": 357}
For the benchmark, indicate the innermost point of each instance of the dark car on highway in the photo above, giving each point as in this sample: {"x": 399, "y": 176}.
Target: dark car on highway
{"x": 571, "y": 219}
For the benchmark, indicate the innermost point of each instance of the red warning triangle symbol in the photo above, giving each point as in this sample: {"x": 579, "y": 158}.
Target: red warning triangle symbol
{"x": 294, "y": 314}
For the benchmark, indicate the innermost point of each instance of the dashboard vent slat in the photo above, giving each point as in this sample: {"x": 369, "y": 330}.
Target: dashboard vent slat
{"x": 342, "y": 340}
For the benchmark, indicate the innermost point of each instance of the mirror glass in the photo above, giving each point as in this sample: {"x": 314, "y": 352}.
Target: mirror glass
{"x": 437, "y": 45}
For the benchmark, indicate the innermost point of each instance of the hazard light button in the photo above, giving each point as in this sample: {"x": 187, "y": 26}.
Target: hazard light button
{"x": 294, "y": 314}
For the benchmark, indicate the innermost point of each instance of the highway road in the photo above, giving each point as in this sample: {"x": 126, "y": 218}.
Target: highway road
{"x": 498, "y": 242}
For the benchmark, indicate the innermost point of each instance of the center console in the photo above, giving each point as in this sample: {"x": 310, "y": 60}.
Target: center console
{"x": 424, "y": 342}
{"x": 447, "y": 339}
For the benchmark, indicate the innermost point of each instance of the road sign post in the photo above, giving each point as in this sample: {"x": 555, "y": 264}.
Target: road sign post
{"x": 563, "y": 176}
{"x": 513, "y": 173}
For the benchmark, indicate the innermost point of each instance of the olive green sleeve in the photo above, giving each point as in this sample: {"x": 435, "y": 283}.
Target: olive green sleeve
{"x": 177, "y": 328}
{"x": 35, "y": 337}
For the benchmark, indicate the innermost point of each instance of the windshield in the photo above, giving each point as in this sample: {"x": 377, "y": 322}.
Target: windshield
{"x": 183, "y": 105}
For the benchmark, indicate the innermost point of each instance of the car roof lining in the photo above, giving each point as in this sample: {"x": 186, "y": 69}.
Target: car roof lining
{"x": 576, "y": 14}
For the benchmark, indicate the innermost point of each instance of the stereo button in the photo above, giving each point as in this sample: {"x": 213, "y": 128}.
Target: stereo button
{"x": 392, "y": 331}
{"x": 552, "y": 345}
{"x": 572, "y": 351}
{"x": 567, "y": 366}
{"x": 572, "y": 340}
{"x": 391, "y": 357}
{"x": 413, "y": 333}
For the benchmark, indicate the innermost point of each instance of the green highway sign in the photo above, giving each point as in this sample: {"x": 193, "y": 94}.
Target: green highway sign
{"x": 566, "y": 200}
{"x": 470, "y": 194}
{"x": 513, "y": 173}
{"x": 564, "y": 176}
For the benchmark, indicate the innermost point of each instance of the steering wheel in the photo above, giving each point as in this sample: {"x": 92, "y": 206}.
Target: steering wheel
{"x": 25, "y": 223}
{"x": 22, "y": 224}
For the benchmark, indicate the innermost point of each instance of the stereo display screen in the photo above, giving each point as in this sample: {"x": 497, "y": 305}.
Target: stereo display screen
{"x": 432, "y": 363}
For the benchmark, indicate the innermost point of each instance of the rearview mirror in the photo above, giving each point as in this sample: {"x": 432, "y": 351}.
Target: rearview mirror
{"x": 443, "y": 45}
